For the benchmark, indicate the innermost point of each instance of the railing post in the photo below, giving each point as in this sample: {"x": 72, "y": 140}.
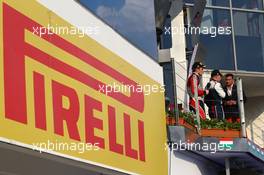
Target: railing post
{"x": 197, "y": 113}
{"x": 176, "y": 109}
{"x": 241, "y": 106}
{"x": 227, "y": 166}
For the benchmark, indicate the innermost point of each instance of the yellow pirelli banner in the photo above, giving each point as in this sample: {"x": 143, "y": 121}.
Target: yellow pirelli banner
{"x": 70, "y": 96}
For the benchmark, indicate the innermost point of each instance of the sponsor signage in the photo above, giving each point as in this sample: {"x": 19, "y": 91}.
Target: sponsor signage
{"x": 56, "y": 88}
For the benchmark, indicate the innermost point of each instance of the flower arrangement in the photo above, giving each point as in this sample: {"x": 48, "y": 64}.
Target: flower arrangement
{"x": 189, "y": 117}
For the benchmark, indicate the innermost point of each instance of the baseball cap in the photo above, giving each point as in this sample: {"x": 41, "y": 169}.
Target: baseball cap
{"x": 216, "y": 72}
{"x": 198, "y": 65}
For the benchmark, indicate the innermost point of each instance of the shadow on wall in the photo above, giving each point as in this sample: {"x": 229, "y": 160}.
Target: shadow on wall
{"x": 254, "y": 112}
{"x": 191, "y": 164}
{"x": 240, "y": 172}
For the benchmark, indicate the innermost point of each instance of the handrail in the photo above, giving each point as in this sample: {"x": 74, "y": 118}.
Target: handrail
{"x": 259, "y": 138}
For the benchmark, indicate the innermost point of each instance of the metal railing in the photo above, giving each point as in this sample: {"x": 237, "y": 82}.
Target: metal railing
{"x": 176, "y": 110}
{"x": 258, "y": 131}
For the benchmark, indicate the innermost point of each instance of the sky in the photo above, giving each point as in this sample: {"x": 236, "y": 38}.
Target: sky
{"x": 134, "y": 19}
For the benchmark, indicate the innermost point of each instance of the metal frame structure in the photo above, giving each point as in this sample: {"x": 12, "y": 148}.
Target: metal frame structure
{"x": 232, "y": 9}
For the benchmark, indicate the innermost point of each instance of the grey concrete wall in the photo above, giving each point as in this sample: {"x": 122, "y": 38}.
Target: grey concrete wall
{"x": 191, "y": 164}
{"x": 254, "y": 109}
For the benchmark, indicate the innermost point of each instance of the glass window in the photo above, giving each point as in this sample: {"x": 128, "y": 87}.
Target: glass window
{"x": 218, "y": 41}
{"x": 249, "y": 37}
{"x": 223, "y": 3}
{"x": 168, "y": 80}
{"x": 166, "y": 38}
{"x": 248, "y": 4}
{"x": 189, "y": 1}
{"x": 134, "y": 19}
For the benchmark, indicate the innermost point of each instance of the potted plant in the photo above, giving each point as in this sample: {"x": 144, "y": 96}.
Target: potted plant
{"x": 187, "y": 119}
{"x": 209, "y": 128}
{"x": 170, "y": 119}
{"x": 183, "y": 115}
{"x": 222, "y": 128}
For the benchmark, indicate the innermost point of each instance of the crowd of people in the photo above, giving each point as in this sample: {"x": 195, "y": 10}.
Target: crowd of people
{"x": 221, "y": 100}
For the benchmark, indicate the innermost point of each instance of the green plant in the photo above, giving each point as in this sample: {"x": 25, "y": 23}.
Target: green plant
{"x": 189, "y": 117}
{"x": 169, "y": 113}
{"x": 219, "y": 124}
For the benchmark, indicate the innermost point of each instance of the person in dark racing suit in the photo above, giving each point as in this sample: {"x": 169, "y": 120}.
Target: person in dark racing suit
{"x": 216, "y": 94}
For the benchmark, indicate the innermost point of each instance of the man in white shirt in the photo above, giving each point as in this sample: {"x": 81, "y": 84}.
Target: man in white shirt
{"x": 214, "y": 99}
